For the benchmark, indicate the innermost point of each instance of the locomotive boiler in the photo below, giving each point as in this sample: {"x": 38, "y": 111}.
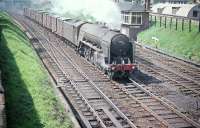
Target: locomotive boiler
{"x": 109, "y": 50}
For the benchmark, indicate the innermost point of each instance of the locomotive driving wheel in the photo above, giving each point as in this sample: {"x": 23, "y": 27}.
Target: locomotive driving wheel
{"x": 110, "y": 74}
{"x": 88, "y": 53}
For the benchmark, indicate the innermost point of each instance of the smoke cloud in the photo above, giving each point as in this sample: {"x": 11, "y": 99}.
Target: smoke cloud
{"x": 105, "y": 11}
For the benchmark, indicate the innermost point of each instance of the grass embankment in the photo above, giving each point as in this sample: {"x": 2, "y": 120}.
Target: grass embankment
{"x": 180, "y": 43}
{"x": 30, "y": 100}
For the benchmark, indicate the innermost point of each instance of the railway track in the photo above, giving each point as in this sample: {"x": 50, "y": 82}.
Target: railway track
{"x": 185, "y": 86}
{"x": 179, "y": 80}
{"x": 125, "y": 107}
{"x": 188, "y": 70}
{"x": 181, "y": 75}
{"x": 99, "y": 101}
{"x": 83, "y": 94}
{"x": 159, "y": 105}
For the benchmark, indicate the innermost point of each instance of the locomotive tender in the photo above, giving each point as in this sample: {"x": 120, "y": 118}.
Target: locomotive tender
{"x": 109, "y": 50}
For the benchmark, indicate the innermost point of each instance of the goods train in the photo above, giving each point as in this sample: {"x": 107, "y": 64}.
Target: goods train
{"x": 107, "y": 49}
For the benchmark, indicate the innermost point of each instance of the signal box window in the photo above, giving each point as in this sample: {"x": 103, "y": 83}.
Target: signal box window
{"x": 136, "y": 19}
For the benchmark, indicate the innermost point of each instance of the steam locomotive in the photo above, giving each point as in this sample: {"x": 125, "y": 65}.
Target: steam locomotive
{"x": 109, "y": 50}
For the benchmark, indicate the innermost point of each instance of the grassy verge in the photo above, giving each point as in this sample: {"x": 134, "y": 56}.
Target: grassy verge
{"x": 30, "y": 100}
{"x": 179, "y": 43}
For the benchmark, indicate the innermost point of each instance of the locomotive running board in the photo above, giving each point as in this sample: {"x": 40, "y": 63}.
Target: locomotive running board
{"x": 91, "y": 46}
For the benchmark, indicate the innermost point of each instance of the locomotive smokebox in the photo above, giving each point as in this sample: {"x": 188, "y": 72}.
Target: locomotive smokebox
{"x": 120, "y": 46}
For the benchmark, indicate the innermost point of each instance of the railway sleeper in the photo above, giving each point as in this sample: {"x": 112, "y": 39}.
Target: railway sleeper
{"x": 140, "y": 95}
{"x": 150, "y": 104}
{"x": 157, "y": 107}
{"x": 94, "y": 123}
{"x": 144, "y": 98}
{"x": 170, "y": 116}
{"x": 149, "y": 100}
{"x": 135, "y": 106}
{"x": 182, "y": 125}
{"x": 134, "y": 91}
{"x": 87, "y": 114}
{"x": 195, "y": 87}
{"x": 79, "y": 101}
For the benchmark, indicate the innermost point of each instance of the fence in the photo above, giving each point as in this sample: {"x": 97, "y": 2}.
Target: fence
{"x": 175, "y": 22}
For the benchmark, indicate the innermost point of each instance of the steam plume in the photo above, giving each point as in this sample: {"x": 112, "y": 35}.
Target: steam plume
{"x": 92, "y": 10}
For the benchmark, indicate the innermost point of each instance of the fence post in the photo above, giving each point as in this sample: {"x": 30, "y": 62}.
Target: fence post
{"x": 182, "y": 24}
{"x": 165, "y": 22}
{"x": 190, "y": 25}
{"x": 160, "y": 21}
{"x": 155, "y": 20}
{"x": 176, "y": 23}
{"x": 199, "y": 24}
{"x": 170, "y": 22}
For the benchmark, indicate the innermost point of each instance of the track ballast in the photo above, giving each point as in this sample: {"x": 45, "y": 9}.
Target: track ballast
{"x": 98, "y": 101}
